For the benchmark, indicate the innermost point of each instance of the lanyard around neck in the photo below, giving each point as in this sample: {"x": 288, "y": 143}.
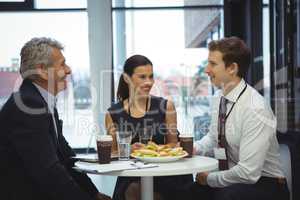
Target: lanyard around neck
{"x": 235, "y": 102}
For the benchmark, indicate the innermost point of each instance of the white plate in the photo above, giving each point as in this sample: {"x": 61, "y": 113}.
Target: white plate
{"x": 160, "y": 159}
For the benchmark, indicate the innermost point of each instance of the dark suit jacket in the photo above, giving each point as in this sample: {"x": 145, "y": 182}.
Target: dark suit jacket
{"x": 35, "y": 165}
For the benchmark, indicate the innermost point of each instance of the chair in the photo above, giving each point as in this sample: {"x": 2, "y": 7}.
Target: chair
{"x": 285, "y": 160}
{"x": 290, "y": 156}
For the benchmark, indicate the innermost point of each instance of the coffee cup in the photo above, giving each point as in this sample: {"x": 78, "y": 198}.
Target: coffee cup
{"x": 186, "y": 142}
{"x": 104, "y": 144}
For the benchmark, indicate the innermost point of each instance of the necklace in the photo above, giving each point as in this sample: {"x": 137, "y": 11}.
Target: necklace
{"x": 146, "y": 108}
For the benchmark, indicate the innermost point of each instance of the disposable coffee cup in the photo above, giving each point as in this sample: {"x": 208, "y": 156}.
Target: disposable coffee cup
{"x": 186, "y": 142}
{"x": 104, "y": 144}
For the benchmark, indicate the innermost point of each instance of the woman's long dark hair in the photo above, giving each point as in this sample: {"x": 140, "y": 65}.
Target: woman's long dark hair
{"x": 129, "y": 66}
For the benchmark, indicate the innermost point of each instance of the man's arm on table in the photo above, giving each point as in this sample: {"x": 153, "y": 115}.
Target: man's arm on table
{"x": 255, "y": 142}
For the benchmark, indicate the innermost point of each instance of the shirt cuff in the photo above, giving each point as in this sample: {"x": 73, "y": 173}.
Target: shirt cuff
{"x": 212, "y": 179}
{"x": 198, "y": 149}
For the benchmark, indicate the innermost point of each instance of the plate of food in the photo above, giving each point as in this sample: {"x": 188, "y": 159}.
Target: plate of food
{"x": 158, "y": 153}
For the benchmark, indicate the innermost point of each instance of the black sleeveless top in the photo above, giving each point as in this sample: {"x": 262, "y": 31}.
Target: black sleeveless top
{"x": 154, "y": 120}
{"x": 170, "y": 187}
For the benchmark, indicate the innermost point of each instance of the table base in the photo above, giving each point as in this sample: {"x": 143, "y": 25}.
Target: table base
{"x": 147, "y": 188}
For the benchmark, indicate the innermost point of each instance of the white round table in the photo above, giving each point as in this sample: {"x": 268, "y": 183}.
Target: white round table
{"x": 180, "y": 167}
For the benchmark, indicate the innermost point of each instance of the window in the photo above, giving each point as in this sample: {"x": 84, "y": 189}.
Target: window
{"x": 175, "y": 40}
{"x": 70, "y": 27}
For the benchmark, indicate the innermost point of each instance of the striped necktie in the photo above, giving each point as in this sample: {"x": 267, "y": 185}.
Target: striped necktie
{"x": 223, "y": 164}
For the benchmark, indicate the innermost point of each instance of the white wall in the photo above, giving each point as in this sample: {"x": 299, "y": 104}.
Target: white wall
{"x": 100, "y": 47}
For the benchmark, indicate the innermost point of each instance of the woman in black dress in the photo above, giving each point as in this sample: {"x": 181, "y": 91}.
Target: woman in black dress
{"x": 137, "y": 110}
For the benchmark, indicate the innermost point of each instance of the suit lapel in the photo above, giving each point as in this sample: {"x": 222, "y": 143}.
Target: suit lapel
{"x": 60, "y": 127}
{"x": 29, "y": 88}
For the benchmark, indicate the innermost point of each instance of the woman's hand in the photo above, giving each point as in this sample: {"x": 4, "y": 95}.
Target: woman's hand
{"x": 137, "y": 146}
{"x": 201, "y": 178}
{"x": 115, "y": 154}
{"x": 173, "y": 144}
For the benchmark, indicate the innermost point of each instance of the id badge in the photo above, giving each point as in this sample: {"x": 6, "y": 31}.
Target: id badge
{"x": 220, "y": 153}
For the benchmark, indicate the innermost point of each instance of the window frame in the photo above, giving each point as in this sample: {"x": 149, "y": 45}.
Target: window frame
{"x": 28, "y": 5}
{"x": 17, "y": 6}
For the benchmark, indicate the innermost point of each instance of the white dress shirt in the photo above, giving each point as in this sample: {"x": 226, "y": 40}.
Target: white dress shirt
{"x": 51, "y": 102}
{"x": 250, "y": 131}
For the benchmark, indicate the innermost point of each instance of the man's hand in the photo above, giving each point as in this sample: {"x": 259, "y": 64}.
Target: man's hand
{"x": 101, "y": 196}
{"x": 194, "y": 151}
{"x": 201, "y": 178}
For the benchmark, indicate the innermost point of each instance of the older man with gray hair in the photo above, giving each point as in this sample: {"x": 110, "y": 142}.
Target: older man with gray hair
{"x": 36, "y": 160}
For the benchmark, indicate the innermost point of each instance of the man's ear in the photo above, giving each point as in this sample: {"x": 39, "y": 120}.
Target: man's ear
{"x": 233, "y": 68}
{"x": 42, "y": 71}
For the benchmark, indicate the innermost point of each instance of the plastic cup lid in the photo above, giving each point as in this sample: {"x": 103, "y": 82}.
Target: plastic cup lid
{"x": 104, "y": 138}
{"x": 186, "y": 135}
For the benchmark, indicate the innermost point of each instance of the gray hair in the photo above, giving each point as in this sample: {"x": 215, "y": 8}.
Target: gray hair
{"x": 37, "y": 51}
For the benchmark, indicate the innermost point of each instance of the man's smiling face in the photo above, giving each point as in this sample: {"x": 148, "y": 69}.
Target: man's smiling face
{"x": 216, "y": 70}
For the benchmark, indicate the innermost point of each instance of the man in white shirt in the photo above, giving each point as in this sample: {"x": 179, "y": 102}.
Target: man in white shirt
{"x": 243, "y": 138}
